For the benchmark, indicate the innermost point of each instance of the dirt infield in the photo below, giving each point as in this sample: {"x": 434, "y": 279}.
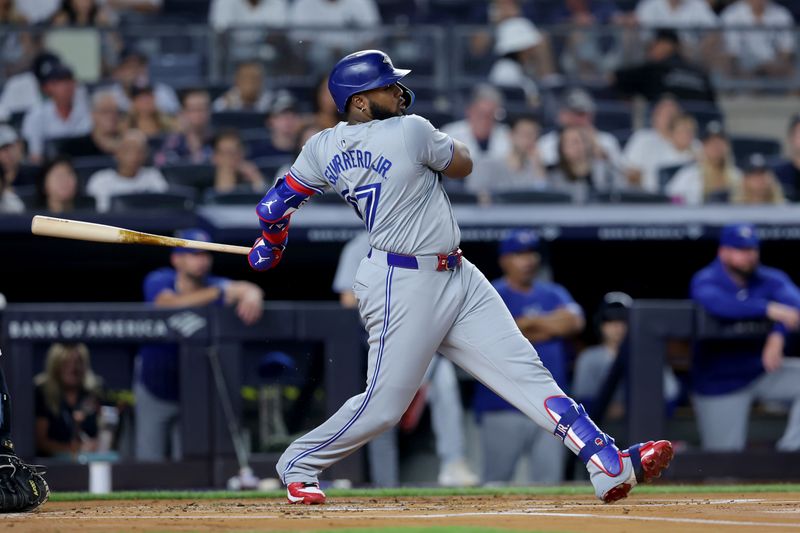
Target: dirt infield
{"x": 746, "y": 512}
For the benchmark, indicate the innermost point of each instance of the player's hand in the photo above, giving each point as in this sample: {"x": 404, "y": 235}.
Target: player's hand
{"x": 772, "y": 355}
{"x": 785, "y": 314}
{"x": 262, "y": 256}
{"x": 250, "y": 306}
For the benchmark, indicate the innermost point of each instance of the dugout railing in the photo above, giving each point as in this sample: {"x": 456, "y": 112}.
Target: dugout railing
{"x": 653, "y": 324}
{"x": 208, "y": 455}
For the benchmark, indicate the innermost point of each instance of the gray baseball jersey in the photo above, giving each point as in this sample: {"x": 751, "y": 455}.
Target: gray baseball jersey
{"x": 388, "y": 170}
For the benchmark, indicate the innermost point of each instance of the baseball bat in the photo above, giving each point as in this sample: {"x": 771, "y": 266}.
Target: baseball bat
{"x": 87, "y": 231}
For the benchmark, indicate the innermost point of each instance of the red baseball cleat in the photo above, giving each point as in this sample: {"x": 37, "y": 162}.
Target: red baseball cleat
{"x": 307, "y": 493}
{"x": 649, "y": 459}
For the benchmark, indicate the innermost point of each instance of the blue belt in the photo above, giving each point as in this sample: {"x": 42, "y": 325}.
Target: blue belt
{"x": 438, "y": 262}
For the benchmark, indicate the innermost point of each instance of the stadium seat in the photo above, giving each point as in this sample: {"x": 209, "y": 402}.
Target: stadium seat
{"x": 665, "y": 174}
{"x": 462, "y": 197}
{"x": 239, "y": 120}
{"x": 233, "y": 198}
{"x": 630, "y": 197}
{"x": 745, "y": 145}
{"x": 178, "y": 70}
{"x": 197, "y": 177}
{"x": 612, "y": 116}
{"x": 532, "y": 197}
{"x": 86, "y": 166}
{"x": 152, "y": 201}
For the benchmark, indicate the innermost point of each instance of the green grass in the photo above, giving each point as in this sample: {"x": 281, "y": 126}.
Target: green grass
{"x": 421, "y": 492}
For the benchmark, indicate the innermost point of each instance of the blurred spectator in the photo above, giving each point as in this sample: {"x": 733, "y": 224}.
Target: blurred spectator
{"x": 524, "y": 55}
{"x": 64, "y": 114}
{"x": 646, "y": 141}
{"x": 765, "y": 47}
{"x": 192, "y": 142}
{"x": 325, "y": 113}
{"x": 10, "y": 155}
{"x": 521, "y": 169}
{"x": 788, "y": 170}
{"x": 10, "y": 14}
{"x": 283, "y": 126}
{"x": 593, "y": 365}
{"x": 57, "y": 186}
{"x": 577, "y": 110}
{"x": 131, "y": 71}
{"x": 38, "y": 10}
{"x": 189, "y": 283}
{"x": 66, "y": 403}
{"x": 482, "y": 130}
{"x": 728, "y": 377}
{"x": 352, "y": 15}
{"x": 248, "y": 93}
{"x": 144, "y": 114}
{"x": 758, "y": 184}
{"x": 547, "y": 315}
{"x": 589, "y": 51}
{"x": 711, "y": 179}
{"x": 82, "y": 13}
{"x": 581, "y": 168}
{"x": 693, "y": 17}
{"x": 665, "y": 71}
{"x": 681, "y": 149}
{"x": 231, "y": 170}
{"x": 140, "y": 6}
{"x": 22, "y": 92}
{"x": 106, "y": 129}
{"x": 130, "y": 176}
{"x": 226, "y": 14}
{"x": 9, "y": 201}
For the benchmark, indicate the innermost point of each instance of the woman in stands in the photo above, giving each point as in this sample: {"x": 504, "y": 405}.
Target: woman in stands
{"x": 582, "y": 167}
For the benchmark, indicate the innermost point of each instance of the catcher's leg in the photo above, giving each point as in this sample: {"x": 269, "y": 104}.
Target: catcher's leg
{"x": 22, "y": 487}
{"x": 487, "y": 343}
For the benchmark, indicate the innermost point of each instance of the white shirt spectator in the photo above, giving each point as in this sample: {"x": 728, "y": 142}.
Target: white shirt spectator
{"x": 509, "y": 73}
{"x": 20, "y": 94}
{"x": 106, "y": 183}
{"x": 334, "y": 14}
{"x": 668, "y": 156}
{"x": 687, "y": 184}
{"x": 773, "y": 34}
{"x": 225, "y": 14}
{"x": 548, "y": 148}
{"x": 687, "y": 14}
{"x": 642, "y": 143}
{"x": 37, "y": 10}
{"x": 43, "y": 123}
{"x": 10, "y": 203}
{"x": 499, "y": 141}
{"x": 166, "y": 100}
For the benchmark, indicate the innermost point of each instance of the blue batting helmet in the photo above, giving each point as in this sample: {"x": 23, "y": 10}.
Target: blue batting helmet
{"x": 362, "y": 71}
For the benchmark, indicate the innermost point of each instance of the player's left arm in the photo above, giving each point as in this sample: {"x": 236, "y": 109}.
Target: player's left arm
{"x": 274, "y": 211}
{"x": 461, "y": 164}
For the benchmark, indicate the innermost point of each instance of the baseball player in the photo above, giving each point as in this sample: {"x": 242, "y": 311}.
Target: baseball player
{"x": 416, "y": 293}
{"x": 22, "y": 487}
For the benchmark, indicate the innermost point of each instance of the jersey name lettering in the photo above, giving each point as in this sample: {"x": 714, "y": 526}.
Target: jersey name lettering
{"x": 356, "y": 159}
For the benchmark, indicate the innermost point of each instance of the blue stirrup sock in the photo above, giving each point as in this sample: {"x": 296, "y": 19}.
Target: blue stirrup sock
{"x": 582, "y": 436}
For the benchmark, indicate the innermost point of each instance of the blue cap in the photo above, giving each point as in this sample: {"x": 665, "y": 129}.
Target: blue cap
{"x": 191, "y": 234}
{"x": 519, "y": 240}
{"x": 742, "y": 236}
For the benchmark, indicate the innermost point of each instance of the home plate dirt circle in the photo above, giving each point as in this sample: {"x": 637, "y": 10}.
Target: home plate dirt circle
{"x": 753, "y": 512}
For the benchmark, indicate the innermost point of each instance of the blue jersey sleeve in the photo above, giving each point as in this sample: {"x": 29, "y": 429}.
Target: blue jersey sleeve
{"x": 722, "y": 303}
{"x": 157, "y": 282}
{"x": 565, "y": 299}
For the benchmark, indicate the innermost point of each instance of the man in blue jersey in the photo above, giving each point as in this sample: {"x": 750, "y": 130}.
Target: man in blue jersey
{"x": 546, "y": 314}
{"x": 188, "y": 283}
{"x": 728, "y": 377}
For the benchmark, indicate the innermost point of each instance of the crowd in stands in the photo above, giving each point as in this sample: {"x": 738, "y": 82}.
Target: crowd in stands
{"x": 550, "y": 121}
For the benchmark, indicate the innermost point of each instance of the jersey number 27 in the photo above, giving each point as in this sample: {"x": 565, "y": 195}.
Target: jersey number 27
{"x": 364, "y": 200}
